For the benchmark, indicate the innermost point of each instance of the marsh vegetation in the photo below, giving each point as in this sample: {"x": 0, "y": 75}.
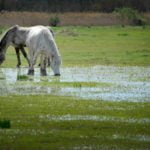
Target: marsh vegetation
{"x": 101, "y": 100}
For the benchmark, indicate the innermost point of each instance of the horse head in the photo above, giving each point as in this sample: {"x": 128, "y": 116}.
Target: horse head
{"x": 55, "y": 65}
{"x": 2, "y": 48}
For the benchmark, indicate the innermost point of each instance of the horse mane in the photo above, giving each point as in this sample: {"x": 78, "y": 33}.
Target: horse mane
{"x": 52, "y": 32}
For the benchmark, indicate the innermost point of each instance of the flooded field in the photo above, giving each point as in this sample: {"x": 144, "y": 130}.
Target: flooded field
{"x": 96, "y": 83}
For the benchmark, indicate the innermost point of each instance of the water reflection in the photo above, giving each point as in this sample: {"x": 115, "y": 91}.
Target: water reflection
{"x": 124, "y": 83}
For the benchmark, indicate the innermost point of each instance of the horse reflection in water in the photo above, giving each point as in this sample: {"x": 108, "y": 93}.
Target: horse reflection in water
{"x": 39, "y": 40}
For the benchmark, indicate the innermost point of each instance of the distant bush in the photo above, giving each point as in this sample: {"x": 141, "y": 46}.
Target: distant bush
{"x": 54, "y": 21}
{"x": 131, "y": 15}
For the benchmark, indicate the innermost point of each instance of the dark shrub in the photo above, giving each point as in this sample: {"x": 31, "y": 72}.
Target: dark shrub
{"x": 132, "y": 15}
{"x": 54, "y": 21}
{"x": 5, "y": 124}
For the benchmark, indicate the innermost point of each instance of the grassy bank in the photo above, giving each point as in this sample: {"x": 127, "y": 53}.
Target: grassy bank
{"x": 99, "y": 46}
{"x": 51, "y": 122}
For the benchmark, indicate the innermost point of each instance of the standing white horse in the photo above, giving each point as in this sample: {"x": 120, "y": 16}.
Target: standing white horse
{"x": 39, "y": 40}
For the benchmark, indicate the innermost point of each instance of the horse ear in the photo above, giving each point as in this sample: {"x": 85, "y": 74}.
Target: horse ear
{"x": 15, "y": 27}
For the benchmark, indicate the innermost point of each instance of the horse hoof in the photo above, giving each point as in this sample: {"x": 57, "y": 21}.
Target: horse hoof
{"x": 31, "y": 72}
{"x": 57, "y": 74}
{"x": 18, "y": 66}
{"x": 43, "y": 72}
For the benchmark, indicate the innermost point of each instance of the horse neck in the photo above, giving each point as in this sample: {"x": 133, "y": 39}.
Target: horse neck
{"x": 55, "y": 49}
{"x": 5, "y": 41}
{"x": 57, "y": 56}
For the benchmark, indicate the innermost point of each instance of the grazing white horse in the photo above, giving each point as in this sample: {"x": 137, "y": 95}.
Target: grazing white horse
{"x": 39, "y": 40}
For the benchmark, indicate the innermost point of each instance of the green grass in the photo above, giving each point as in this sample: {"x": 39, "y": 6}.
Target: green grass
{"x": 32, "y": 128}
{"x": 22, "y": 77}
{"x": 105, "y": 45}
{"x": 72, "y": 84}
{"x": 99, "y": 46}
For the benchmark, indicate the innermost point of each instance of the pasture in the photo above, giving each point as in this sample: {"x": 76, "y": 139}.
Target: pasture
{"x": 101, "y": 100}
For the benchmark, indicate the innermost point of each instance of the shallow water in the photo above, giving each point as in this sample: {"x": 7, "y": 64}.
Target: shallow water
{"x": 114, "y": 83}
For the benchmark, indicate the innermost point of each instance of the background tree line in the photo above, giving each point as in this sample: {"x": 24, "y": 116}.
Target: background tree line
{"x": 73, "y": 5}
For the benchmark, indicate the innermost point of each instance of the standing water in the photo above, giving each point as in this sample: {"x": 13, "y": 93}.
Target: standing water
{"x": 94, "y": 83}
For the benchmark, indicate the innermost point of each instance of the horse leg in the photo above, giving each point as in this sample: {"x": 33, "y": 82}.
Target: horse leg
{"x": 18, "y": 57}
{"x": 25, "y": 55}
{"x": 31, "y": 66}
{"x": 55, "y": 63}
{"x": 49, "y": 62}
{"x": 41, "y": 58}
{"x": 32, "y": 63}
{"x": 43, "y": 65}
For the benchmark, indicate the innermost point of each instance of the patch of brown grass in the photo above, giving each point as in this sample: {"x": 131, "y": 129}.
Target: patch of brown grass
{"x": 147, "y": 17}
{"x": 35, "y": 18}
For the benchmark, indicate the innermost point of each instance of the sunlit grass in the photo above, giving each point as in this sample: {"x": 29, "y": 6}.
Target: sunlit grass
{"x": 104, "y": 45}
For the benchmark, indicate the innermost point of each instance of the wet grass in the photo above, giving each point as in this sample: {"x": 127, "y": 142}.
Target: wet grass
{"x": 72, "y": 84}
{"x": 22, "y": 77}
{"x": 99, "y": 46}
{"x": 38, "y": 122}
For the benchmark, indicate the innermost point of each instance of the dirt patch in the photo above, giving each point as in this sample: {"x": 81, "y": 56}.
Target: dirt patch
{"x": 36, "y": 18}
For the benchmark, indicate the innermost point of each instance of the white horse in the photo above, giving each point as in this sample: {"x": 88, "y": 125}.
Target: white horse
{"x": 39, "y": 40}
